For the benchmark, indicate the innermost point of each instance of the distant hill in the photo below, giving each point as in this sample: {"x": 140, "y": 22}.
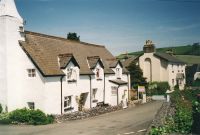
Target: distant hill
{"x": 179, "y": 50}
{"x": 189, "y": 59}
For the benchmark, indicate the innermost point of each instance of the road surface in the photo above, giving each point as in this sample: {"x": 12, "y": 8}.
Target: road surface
{"x": 131, "y": 121}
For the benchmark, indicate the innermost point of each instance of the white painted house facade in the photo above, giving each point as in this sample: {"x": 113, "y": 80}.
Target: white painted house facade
{"x": 160, "y": 67}
{"x": 54, "y": 74}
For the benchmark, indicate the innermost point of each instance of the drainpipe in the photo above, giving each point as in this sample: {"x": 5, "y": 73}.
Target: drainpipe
{"x": 90, "y": 91}
{"x": 128, "y": 86}
{"x": 61, "y": 94}
{"x": 118, "y": 94}
{"x": 104, "y": 89}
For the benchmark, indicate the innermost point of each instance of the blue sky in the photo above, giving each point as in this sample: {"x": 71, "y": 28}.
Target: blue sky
{"x": 120, "y": 25}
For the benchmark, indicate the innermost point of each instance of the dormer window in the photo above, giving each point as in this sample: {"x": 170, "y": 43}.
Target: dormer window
{"x": 98, "y": 74}
{"x": 71, "y": 75}
{"x": 118, "y": 73}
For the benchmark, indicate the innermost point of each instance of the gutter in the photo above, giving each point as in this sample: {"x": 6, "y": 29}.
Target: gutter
{"x": 61, "y": 94}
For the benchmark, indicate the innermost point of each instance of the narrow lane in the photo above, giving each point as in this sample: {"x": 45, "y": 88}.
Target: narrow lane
{"x": 128, "y": 121}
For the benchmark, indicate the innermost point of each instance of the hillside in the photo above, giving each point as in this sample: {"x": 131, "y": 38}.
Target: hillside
{"x": 179, "y": 50}
{"x": 189, "y": 59}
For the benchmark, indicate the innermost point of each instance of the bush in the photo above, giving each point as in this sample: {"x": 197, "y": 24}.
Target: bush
{"x": 157, "y": 88}
{"x": 4, "y": 118}
{"x": 1, "y": 108}
{"x": 20, "y": 116}
{"x": 34, "y": 117}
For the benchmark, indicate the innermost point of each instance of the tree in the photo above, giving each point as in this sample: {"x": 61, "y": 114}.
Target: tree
{"x": 136, "y": 75}
{"x": 73, "y": 36}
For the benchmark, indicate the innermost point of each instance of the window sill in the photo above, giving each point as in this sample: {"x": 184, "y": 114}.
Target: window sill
{"x": 68, "y": 109}
{"x": 94, "y": 100}
{"x": 71, "y": 81}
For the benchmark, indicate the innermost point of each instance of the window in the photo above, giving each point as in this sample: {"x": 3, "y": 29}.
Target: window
{"x": 94, "y": 91}
{"x": 31, "y": 105}
{"x": 71, "y": 74}
{"x": 31, "y": 72}
{"x": 172, "y": 71}
{"x": 172, "y": 82}
{"x": 118, "y": 72}
{"x": 98, "y": 74}
{"x": 21, "y": 29}
{"x": 180, "y": 82}
{"x": 67, "y": 102}
{"x": 113, "y": 90}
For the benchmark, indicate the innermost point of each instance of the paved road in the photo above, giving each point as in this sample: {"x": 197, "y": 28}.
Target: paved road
{"x": 123, "y": 122}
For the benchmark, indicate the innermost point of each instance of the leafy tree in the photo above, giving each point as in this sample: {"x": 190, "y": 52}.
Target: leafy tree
{"x": 73, "y": 36}
{"x": 136, "y": 75}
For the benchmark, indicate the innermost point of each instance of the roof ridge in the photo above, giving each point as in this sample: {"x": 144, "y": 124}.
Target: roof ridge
{"x": 61, "y": 38}
{"x": 45, "y": 35}
{"x": 90, "y": 44}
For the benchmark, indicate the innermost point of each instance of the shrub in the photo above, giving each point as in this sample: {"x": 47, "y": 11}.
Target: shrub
{"x": 1, "y": 108}
{"x": 4, "y": 118}
{"x": 20, "y": 116}
{"x": 157, "y": 88}
{"x": 34, "y": 117}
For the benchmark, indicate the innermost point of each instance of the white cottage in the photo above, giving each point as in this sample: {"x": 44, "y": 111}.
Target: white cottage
{"x": 54, "y": 74}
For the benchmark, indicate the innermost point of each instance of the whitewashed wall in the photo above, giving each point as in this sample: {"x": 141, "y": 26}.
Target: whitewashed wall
{"x": 98, "y": 83}
{"x": 155, "y": 62}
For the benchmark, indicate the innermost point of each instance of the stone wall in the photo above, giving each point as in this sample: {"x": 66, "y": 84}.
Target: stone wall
{"x": 87, "y": 113}
{"x": 167, "y": 109}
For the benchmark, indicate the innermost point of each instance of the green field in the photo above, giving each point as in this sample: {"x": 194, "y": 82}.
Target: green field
{"x": 189, "y": 59}
{"x": 179, "y": 50}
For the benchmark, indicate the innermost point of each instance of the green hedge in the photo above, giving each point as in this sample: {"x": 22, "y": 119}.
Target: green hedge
{"x": 182, "y": 121}
{"x": 157, "y": 88}
{"x": 26, "y": 116}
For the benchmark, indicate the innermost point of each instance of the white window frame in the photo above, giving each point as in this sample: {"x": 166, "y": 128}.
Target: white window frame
{"x": 67, "y": 102}
{"x": 31, "y": 72}
{"x": 71, "y": 74}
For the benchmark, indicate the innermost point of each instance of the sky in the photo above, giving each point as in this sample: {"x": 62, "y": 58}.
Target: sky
{"x": 120, "y": 25}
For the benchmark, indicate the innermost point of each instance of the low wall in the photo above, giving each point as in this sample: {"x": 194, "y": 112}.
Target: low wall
{"x": 166, "y": 109}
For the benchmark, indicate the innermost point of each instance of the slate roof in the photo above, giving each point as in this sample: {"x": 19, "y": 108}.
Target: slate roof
{"x": 168, "y": 57}
{"x": 128, "y": 61}
{"x": 44, "y": 51}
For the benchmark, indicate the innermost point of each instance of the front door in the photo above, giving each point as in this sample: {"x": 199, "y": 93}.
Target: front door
{"x": 82, "y": 101}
